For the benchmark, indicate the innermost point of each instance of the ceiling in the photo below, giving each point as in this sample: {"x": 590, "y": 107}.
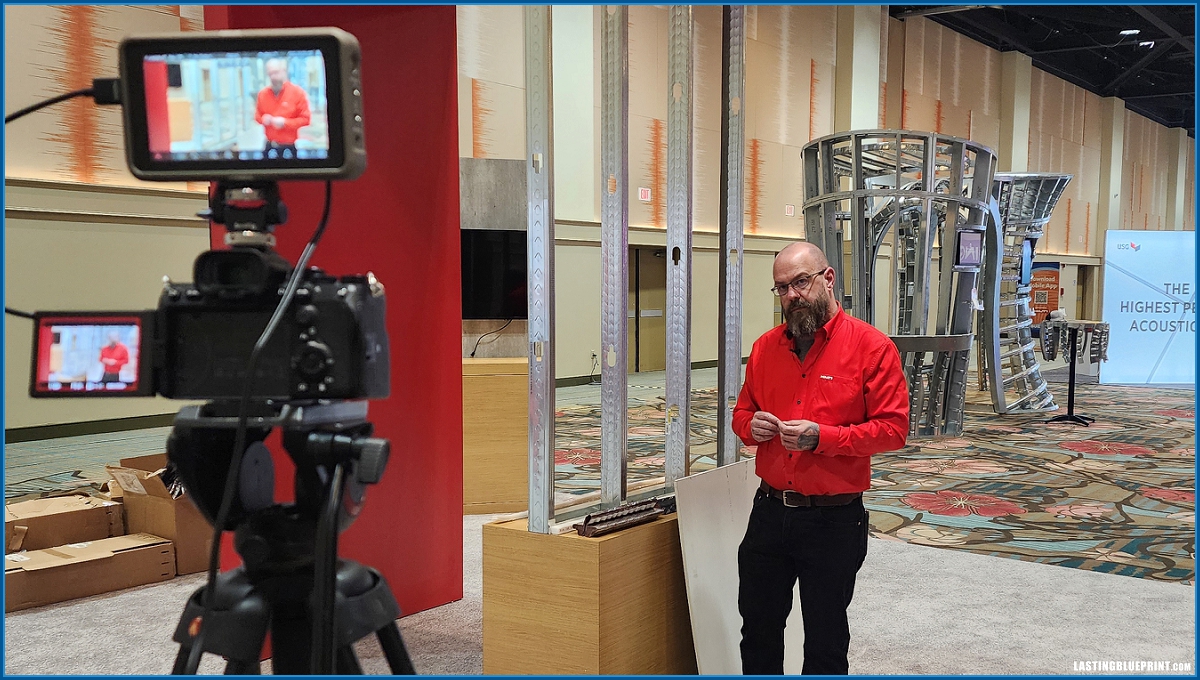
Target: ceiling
{"x": 1153, "y": 70}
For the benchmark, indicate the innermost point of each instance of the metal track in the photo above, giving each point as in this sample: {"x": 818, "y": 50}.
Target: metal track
{"x": 539, "y": 141}
{"x": 729, "y": 350}
{"x": 614, "y": 251}
{"x": 679, "y": 240}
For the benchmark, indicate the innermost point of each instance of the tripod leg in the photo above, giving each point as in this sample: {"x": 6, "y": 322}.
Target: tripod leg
{"x": 181, "y": 660}
{"x": 393, "y": 649}
{"x": 347, "y": 662}
{"x": 233, "y": 667}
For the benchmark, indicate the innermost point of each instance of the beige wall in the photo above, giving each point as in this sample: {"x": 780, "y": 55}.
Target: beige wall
{"x": 1145, "y": 176}
{"x": 577, "y": 293}
{"x": 1065, "y": 136}
{"x": 80, "y": 232}
{"x": 76, "y": 247}
{"x": 931, "y": 78}
{"x": 951, "y": 83}
{"x": 52, "y": 49}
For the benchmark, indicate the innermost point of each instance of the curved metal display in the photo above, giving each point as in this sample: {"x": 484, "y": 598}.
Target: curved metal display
{"x": 1008, "y": 366}
{"x": 920, "y": 193}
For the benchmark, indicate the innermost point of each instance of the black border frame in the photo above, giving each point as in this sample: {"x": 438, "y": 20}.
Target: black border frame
{"x": 145, "y": 352}
{"x": 137, "y": 140}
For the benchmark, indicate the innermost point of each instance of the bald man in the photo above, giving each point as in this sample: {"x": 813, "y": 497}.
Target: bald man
{"x": 282, "y": 109}
{"x": 823, "y": 393}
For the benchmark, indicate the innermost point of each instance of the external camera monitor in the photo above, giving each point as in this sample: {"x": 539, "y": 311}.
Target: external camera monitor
{"x": 970, "y": 248}
{"x": 243, "y": 105}
{"x": 97, "y": 354}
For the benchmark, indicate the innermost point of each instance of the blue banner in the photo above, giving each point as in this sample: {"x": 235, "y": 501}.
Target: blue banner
{"x": 1150, "y": 306}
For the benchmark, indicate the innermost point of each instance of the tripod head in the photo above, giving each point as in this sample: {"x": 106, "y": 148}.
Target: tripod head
{"x": 318, "y": 436}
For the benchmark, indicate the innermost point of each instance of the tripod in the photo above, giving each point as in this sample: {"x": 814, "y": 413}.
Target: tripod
{"x": 291, "y": 585}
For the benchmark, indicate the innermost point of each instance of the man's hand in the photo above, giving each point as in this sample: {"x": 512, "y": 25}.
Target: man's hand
{"x": 267, "y": 118}
{"x": 764, "y": 426}
{"x": 278, "y": 121}
{"x": 799, "y": 435}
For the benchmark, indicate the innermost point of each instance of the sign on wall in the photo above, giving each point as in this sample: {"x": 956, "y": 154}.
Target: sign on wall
{"x": 1044, "y": 289}
{"x": 1150, "y": 306}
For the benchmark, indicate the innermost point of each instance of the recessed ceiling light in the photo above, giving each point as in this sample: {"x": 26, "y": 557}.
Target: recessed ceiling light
{"x": 1130, "y": 31}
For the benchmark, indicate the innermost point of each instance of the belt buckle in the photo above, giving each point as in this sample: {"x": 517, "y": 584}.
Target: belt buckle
{"x": 789, "y": 504}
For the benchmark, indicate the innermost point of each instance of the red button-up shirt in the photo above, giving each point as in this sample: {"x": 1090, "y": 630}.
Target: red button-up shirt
{"x": 850, "y": 383}
{"x": 291, "y": 104}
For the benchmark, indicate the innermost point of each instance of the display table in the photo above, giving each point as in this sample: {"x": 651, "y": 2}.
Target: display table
{"x": 565, "y": 604}
{"x": 1071, "y": 335}
{"x": 495, "y": 435}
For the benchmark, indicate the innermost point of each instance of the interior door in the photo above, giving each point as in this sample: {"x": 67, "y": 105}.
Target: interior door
{"x": 652, "y": 309}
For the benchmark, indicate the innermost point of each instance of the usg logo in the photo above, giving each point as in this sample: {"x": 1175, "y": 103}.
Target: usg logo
{"x": 1129, "y": 246}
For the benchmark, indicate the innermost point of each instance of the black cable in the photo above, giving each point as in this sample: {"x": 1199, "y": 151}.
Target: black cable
{"x": 86, "y": 92}
{"x": 239, "y": 441}
{"x": 17, "y": 312}
{"x": 487, "y": 334}
{"x": 592, "y": 375}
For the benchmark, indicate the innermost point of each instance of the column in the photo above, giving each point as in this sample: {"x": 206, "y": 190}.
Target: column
{"x": 1016, "y": 71}
{"x": 856, "y": 71}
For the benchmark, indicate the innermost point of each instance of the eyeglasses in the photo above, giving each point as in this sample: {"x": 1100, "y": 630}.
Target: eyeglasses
{"x": 798, "y": 284}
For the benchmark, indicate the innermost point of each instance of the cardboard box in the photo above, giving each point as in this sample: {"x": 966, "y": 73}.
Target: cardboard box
{"x": 150, "y": 509}
{"x": 47, "y": 522}
{"x": 37, "y": 577}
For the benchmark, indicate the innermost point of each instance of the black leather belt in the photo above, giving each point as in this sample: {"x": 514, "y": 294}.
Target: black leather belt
{"x": 795, "y": 499}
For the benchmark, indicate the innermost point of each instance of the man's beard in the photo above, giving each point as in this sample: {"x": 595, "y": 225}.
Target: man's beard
{"x": 804, "y": 317}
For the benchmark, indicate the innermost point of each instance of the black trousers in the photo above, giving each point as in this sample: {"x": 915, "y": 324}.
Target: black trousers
{"x": 823, "y": 547}
{"x": 280, "y": 147}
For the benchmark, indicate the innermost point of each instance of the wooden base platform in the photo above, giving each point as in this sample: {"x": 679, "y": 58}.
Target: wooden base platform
{"x": 567, "y": 604}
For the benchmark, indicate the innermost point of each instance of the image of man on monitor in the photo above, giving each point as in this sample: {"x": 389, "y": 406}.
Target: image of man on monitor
{"x": 113, "y": 356}
{"x": 282, "y": 109}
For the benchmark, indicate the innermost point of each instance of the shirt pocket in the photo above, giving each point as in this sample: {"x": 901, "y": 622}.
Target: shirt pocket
{"x": 836, "y": 400}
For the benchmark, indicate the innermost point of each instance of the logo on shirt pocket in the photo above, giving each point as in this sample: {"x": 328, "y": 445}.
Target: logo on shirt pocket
{"x": 836, "y": 400}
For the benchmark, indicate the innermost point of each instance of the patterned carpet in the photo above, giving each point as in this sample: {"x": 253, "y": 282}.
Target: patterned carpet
{"x": 1116, "y": 497}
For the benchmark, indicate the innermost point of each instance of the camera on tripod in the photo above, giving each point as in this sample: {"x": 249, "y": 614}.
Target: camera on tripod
{"x": 332, "y": 343}
{"x": 268, "y": 345}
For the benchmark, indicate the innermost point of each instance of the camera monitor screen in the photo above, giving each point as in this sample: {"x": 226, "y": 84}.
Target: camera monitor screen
{"x": 249, "y": 106}
{"x": 90, "y": 354}
{"x": 245, "y": 104}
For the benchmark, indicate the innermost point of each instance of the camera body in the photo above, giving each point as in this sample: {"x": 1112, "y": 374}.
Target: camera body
{"x": 331, "y": 342}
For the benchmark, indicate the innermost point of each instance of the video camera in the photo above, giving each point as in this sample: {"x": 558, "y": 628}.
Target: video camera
{"x": 265, "y": 343}
{"x": 332, "y": 343}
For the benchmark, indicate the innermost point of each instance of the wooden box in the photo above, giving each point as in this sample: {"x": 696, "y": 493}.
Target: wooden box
{"x": 567, "y": 604}
{"x": 495, "y": 435}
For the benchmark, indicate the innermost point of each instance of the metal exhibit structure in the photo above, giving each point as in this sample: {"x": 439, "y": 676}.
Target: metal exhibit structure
{"x": 679, "y": 241}
{"x": 614, "y": 245}
{"x": 731, "y": 255}
{"x": 1008, "y": 365}
{"x": 539, "y": 173}
{"x": 927, "y": 196}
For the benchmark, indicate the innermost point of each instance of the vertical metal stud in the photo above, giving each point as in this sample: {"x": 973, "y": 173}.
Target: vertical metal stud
{"x": 679, "y": 239}
{"x": 729, "y": 351}
{"x": 614, "y": 250}
{"x": 539, "y": 141}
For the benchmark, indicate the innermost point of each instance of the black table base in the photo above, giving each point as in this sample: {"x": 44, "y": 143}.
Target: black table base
{"x": 1070, "y": 416}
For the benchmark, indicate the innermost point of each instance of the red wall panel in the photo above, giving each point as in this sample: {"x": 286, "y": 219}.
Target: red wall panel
{"x": 399, "y": 220}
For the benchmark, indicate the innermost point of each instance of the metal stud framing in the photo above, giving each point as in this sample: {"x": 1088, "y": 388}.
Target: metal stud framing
{"x": 920, "y": 187}
{"x": 729, "y": 351}
{"x": 614, "y": 250}
{"x": 679, "y": 239}
{"x": 1009, "y": 366}
{"x": 539, "y": 139}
